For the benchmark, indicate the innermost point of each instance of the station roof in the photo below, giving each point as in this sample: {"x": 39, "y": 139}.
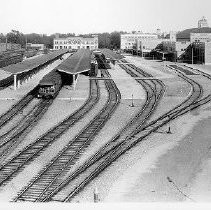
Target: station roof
{"x": 32, "y": 63}
{"x": 185, "y": 34}
{"x": 77, "y": 63}
{"x": 111, "y": 54}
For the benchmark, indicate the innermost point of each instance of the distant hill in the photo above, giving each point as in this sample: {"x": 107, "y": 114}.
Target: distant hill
{"x": 185, "y": 35}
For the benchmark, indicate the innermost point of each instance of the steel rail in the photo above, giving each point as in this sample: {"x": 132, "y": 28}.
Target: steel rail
{"x": 48, "y": 178}
{"x": 25, "y": 156}
{"x": 115, "y": 152}
{"x": 151, "y": 101}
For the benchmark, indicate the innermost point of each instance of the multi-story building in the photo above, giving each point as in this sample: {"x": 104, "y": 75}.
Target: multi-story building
{"x": 129, "y": 40}
{"x": 77, "y": 42}
{"x": 200, "y": 37}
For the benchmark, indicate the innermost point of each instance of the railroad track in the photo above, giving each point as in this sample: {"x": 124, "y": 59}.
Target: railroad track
{"x": 111, "y": 151}
{"x": 18, "y": 107}
{"x": 17, "y": 163}
{"x": 43, "y": 182}
{"x": 105, "y": 156}
{"x": 196, "y": 94}
{"x": 12, "y": 137}
{"x": 49, "y": 178}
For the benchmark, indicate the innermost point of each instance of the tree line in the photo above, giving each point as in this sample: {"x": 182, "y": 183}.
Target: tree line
{"x": 105, "y": 40}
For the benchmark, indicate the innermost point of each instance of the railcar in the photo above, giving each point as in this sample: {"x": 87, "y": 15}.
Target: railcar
{"x": 101, "y": 60}
{"x": 50, "y": 85}
{"x": 93, "y": 67}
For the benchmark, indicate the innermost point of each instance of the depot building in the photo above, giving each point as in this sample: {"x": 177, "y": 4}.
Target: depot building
{"x": 76, "y": 43}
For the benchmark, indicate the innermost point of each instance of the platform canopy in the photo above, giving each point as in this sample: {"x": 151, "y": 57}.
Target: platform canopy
{"x": 32, "y": 63}
{"x": 111, "y": 54}
{"x": 77, "y": 63}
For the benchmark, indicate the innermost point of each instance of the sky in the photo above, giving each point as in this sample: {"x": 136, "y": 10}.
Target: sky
{"x": 97, "y": 16}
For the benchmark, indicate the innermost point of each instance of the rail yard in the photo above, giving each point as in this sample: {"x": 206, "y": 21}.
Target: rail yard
{"x": 99, "y": 126}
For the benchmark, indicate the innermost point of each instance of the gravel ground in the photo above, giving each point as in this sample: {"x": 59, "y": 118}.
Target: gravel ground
{"x": 144, "y": 64}
{"x": 66, "y": 107}
{"x": 126, "y": 84}
{"x": 19, "y": 116}
{"x": 141, "y": 174}
{"x": 205, "y": 68}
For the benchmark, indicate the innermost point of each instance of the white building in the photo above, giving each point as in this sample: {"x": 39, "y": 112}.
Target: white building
{"x": 129, "y": 40}
{"x": 200, "y": 37}
{"x": 207, "y": 53}
{"x": 76, "y": 43}
{"x": 36, "y": 46}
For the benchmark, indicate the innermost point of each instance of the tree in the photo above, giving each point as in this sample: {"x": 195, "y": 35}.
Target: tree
{"x": 16, "y": 37}
{"x": 104, "y": 40}
{"x": 115, "y": 40}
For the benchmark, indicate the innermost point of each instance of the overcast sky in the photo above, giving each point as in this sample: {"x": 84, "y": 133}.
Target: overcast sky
{"x": 91, "y": 16}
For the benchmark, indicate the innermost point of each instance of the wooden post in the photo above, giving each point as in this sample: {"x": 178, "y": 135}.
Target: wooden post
{"x": 15, "y": 81}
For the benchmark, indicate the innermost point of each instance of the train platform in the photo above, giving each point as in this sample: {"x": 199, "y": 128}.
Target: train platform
{"x": 128, "y": 88}
{"x": 8, "y": 97}
{"x": 25, "y": 87}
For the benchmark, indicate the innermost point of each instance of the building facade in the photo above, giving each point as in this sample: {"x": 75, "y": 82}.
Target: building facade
{"x": 207, "y": 58}
{"x": 200, "y": 37}
{"x": 203, "y": 23}
{"x": 146, "y": 46}
{"x": 128, "y": 41}
{"x": 76, "y": 43}
{"x": 36, "y": 46}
